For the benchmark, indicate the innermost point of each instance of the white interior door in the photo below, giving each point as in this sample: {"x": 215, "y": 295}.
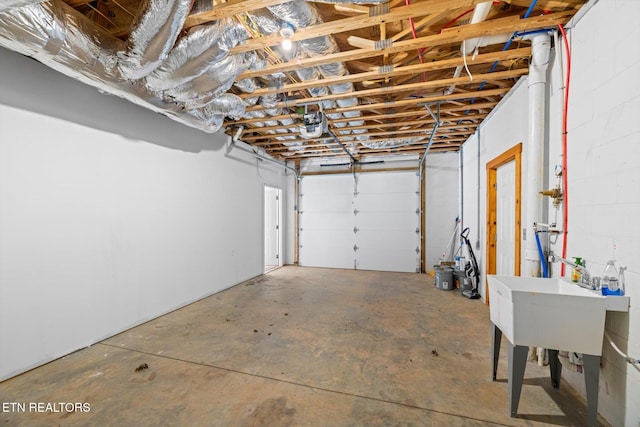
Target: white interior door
{"x": 370, "y": 222}
{"x": 271, "y": 227}
{"x": 505, "y": 219}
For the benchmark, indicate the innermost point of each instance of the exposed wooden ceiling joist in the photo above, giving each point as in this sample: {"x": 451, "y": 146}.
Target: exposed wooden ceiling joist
{"x": 449, "y": 36}
{"x": 396, "y": 69}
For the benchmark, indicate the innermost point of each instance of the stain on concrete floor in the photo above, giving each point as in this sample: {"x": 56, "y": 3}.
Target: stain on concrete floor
{"x": 299, "y": 346}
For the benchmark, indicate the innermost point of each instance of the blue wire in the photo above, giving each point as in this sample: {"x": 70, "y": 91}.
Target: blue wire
{"x": 506, "y": 46}
{"x": 545, "y": 273}
{"x": 531, "y": 6}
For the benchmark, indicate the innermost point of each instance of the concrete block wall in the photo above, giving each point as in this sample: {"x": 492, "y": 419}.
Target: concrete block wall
{"x": 603, "y": 173}
{"x": 604, "y": 177}
{"x": 111, "y": 215}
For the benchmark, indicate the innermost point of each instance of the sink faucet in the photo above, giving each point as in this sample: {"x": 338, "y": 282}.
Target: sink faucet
{"x": 586, "y": 281}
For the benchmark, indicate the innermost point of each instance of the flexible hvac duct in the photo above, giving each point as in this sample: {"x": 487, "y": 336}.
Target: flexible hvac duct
{"x": 61, "y": 38}
{"x": 54, "y": 34}
{"x": 32, "y": 29}
{"x": 263, "y": 22}
{"x": 298, "y": 14}
{"x": 154, "y": 33}
{"x": 203, "y": 119}
{"x": 227, "y": 104}
{"x": 270, "y": 103}
{"x": 201, "y": 49}
{"x": 391, "y": 143}
{"x": 258, "y": 114}
{"x": 14, "y": 4}
{"x": 249, "y": 85}
{"x": 216, "y": 80}
{"x": 301, "y": 14}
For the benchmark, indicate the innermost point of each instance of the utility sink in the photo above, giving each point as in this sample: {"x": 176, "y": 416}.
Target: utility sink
{"x": 551, "y": 313}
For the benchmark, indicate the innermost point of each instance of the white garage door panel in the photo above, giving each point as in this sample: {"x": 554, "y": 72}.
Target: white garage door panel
{"x": 405, "y": 182}
{"x": 336, "y": 251}
{"x": 327, "y": 202}
{"x": 334, "y": 259}
{"x": 326, "y": 221}
{"x": 386, "y": 220}
{"x": 327, "y": 184}
{"x": 373, "y": 259}
{"x": 329, "y": 238}
{"x": 388, "y": 202}
{"x": 386, "y": 240}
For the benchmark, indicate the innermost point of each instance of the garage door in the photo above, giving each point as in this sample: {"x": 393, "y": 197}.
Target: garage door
{"x": 369, "y": 221}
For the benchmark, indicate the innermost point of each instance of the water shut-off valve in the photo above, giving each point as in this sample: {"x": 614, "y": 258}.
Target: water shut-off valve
{"x": 555, "y": 193}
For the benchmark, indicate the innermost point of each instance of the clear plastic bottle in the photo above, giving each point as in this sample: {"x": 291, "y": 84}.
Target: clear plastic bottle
{"x": 621, "y": 279}
{"x": 610, "y": 279}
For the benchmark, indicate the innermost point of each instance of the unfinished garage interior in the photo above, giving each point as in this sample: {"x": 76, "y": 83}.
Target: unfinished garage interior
{"x": 322, "y": 213}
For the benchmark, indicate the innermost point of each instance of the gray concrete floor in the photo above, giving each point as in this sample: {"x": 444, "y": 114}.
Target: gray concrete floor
{"x": 299, "y": 347}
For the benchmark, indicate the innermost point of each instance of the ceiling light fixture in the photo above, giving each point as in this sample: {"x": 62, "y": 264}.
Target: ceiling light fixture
{"x": 286, "y": 31}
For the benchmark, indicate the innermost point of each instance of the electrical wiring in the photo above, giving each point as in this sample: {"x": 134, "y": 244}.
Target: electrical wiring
{"x": 415, "y": 36}
{"x": 464, "y": 59}
{"x": 629, "y": 359}
{"x": 565, "y": 110}
{"x": 447, "y": 25}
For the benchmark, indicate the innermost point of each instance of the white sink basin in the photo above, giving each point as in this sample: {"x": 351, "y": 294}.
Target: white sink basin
{"x": 551, "y": 313}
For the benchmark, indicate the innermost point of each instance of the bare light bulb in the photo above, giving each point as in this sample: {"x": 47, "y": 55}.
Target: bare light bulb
{"x": 286, "y": 32}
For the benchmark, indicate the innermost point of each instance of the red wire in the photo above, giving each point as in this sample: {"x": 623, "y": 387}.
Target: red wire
{"x": 565, "y": 212}
{"x": 415, "y": 36}
{"x": 453, "y": 21}
{"x": 447, "y": 25}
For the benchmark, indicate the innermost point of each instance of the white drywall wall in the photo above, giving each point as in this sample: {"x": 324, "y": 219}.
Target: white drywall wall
{"x": 506, "y": 128}
{"x": 603, "y": 174}
{"x": 441, "y": 205}
{"x": 110, "y": 215}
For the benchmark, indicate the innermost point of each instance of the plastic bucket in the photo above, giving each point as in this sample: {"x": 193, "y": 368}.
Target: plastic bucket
{"x": 444, "y": 278}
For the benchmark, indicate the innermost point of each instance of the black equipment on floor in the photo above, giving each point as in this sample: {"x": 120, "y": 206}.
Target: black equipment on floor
{"x": 471, "y": 268}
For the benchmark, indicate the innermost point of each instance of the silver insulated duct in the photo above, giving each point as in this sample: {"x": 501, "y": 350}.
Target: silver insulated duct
{"x": 154, "y": 33}
{"x": 183, "y": 76}
{"x": 58, "y": 36}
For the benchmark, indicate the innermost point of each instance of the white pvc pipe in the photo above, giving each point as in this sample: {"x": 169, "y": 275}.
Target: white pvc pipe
{"x": 470, "y": 45}
{"x": 536, "y": 146}
{"x": 481, "y": 12}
